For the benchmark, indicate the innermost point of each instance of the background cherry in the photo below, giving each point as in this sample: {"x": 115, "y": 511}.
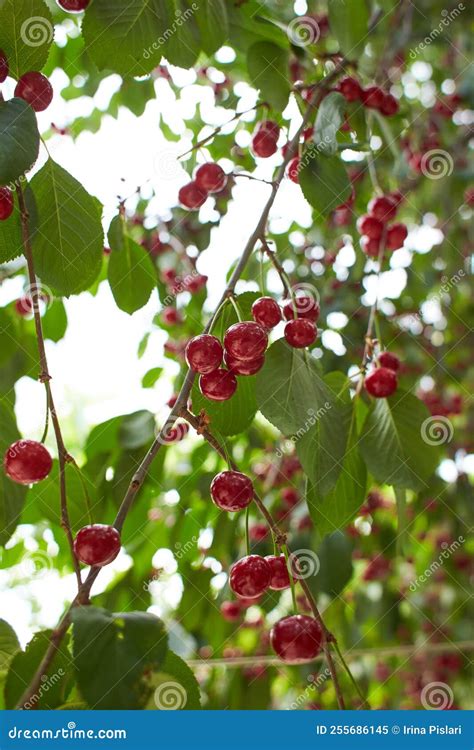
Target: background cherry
{"x": 27, "y": 462}
{"x": 191, "y": 196}
{"x": 279, "y": 572}
{"x": 231, "y": 490}
{"x": 35, "y": 89}
{"x": 97, "y": 544}
{"x": 250, "y": 576}
{"x": 305, "y": 306}
{"x": 296, "y": 638}
{"x": 231, "y": 610}
{"x": 73, "y": 6}
{"x": 387, "y": 359}
{"x": 4, "y": 68}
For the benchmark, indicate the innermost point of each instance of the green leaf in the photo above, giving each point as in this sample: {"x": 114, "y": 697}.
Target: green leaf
{"x": 149, "y": 379}
{"x": 213, "y": 25}
{"x": 9, "y": 644}
{"x": 112, "y": 652}
{"x": 12, "y": 495}
{"x": 392, "y": 445}
{"x": 175, "y": 686}
{"x": 55, "y": 321}
{"x": 335, "y": 565}
{"x": 68, "y": 248}
{"x": 55, "y": 684}
{"x": 11, "y": 238}
{"x": 131, "y": 274}
{"x": 323, "y": 180}
{"x": 137, "y": 429}
{"x": 26, "y": 34}
{"x": 328, "y": 121}
{"x": 267, "y": 65}
{"x": 127, "y": 36}
{"x": 349, "y": 21}
{"x": 181, "y": 42}
{"x": 19, "y": 139}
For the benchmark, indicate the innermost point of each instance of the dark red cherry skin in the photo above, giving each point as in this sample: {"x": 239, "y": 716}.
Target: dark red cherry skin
{"x": 279, "y": 572}
{"x": 73, "y": 6}
{"x": 4, "y": 67}
{"x": 389, "y": 105}
{"x": 370, "y": 226}
{"x": 211, "y": 178}
{"x": 219, "y": 385}
{"x": 266, "y": 312}
{"x": 24, "y": 306}
{"x": 290, "y": 496}
{"x": 296, "y": 638}
{"x": 231, "y": 611}
{"x": 300, "y": 333}
{"x": 35, "y": 89}
{"x": 381, "y": 382}
{"x": 246, "y": 341}
{"x": 27, "y": 462}
{"x": 6, "y": 203}
{"x": 231, "y": 490}
{"x": 264, "y": 144}
{"x": 351, "y": 89}
{"x": 250, "y": 576}
{"x": 373, "y": 97}
{"x": 191, "y": 196}
{"x": 244, "y": 367}
{"x": 97, "y": 545}
{"x": 370, "y": 247}
{"x": 389, "y": 360}
{"x": 306, "y": 307}
{"x": 396, "y": 236}
{"x": 204, "y": 353}
{"x": 293, "y": 169}
{"x": 383, "y": 208}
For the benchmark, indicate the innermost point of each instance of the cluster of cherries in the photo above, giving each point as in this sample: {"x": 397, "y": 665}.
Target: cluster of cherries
{"x": 373, "y": 97}
{"x": 245, "y": 343}
{"x": 382, "y": 380}
{"x": 209, "y": 178}
{"x": 375, "y": 228}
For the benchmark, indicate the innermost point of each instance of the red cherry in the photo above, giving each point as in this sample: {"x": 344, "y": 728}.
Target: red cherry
{"x": 245, "y": 341}
{"x": 35, "y": 89}
{"x": 250, "y": 576}
{"x": 24, "y": 306}
{"x": 381, "y": 382}
{"x": 73, "y": 6}
{"x": 373, "y": 97}
{"x": 306, "y": 307}
{"x": 370, "y": 247}
{"x": 389, "y": 360}
{"x": 171, "y": 316}
{"x": 231, "y": 611}
{"x": 97, "y": 545}
{"x": 204, "y": 353}
{"x": 219, "y": 385}
{"x": 4, "y": 68}
{"x": 389, "y": 105}
{"x": 244, "y": 367}
{"x": 231, "y": 490}
{"x": 290, "y": 496}
{"x": 300, "y": 333}
{"x": 211, "y": 178}
{"x": 279, "y": 572}
{"x": 168, "y": 275}
{"x": 296, "y": 638}
{"x": 293, "y": 169}
{"x": 6, "y": 203}
{"x": 370, "y": 226}
{"x": 351, "y": 89}
{"x": 268, "y": 126}
{"x": 195, "y": 283}
{"x": 382, "y": 208}
{"x": 469, "y": 196}
{"x": 258, "y": 532}
{"x": 266, "y": 312}
{"x": 396, "y": 236}
{"x": 264, "y": 141}
{"x": 191, "y": 196}
{"x": 27, "y": 462}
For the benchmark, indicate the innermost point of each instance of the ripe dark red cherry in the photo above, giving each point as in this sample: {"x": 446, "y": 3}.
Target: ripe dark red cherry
{"x": 293, "y": 169}
{"x": 290, "y": 496}
{"x": 300, "y": 333}
{"x": 389, "y": 360}
{"x": 381, "y": 382}
{"x": 370, "y": 247}
{"x": 264, "y": 141}
{"x": 383, "y": 208}
{"x": 27, "y": 462}
{"x": 268, "y": 126}
{"x": 211, "y": 178}
{"x": 250, "y": 576}
{"x": 4, "y": 68}
{"x": 73, "y": 6}
{"x": 306, "y": 307}
{"x": 245, "y": 341}
{"x": 370, "y": 226}
{"x": 35, "y": 89}
{"x": 389, "y": 105}
{"x": 279, "y": 572}
{"x": 296, "y": 638}
{"x": 244, "y": 367}
{"x": 266, "y": 312}
{"x": 373, "y": 97}
{"x": 191, "y": 196}
{"x": 6, "y": 203}
{"x": 24, "y": 306}
{"x": 204, "y": 353}
{"x": 396, "y": 236}
{"x": 231, "y": 490}
{"x": 231, "y": 611}
{"x": 171, "y": 316}
{"x": 351, "y": 89}
{"x": 219, "y": 385}
{"x": 97, "y": 545}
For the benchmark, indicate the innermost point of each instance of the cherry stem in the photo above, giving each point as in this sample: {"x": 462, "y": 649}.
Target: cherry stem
{"x": 290, "y": 576}
{"x": 217, "y": 130}
{"x": 364, "y": 700}
{"x": 236, "y": 307}
{"x": 247, "y": 537}
{"x": 271, "y": 255}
